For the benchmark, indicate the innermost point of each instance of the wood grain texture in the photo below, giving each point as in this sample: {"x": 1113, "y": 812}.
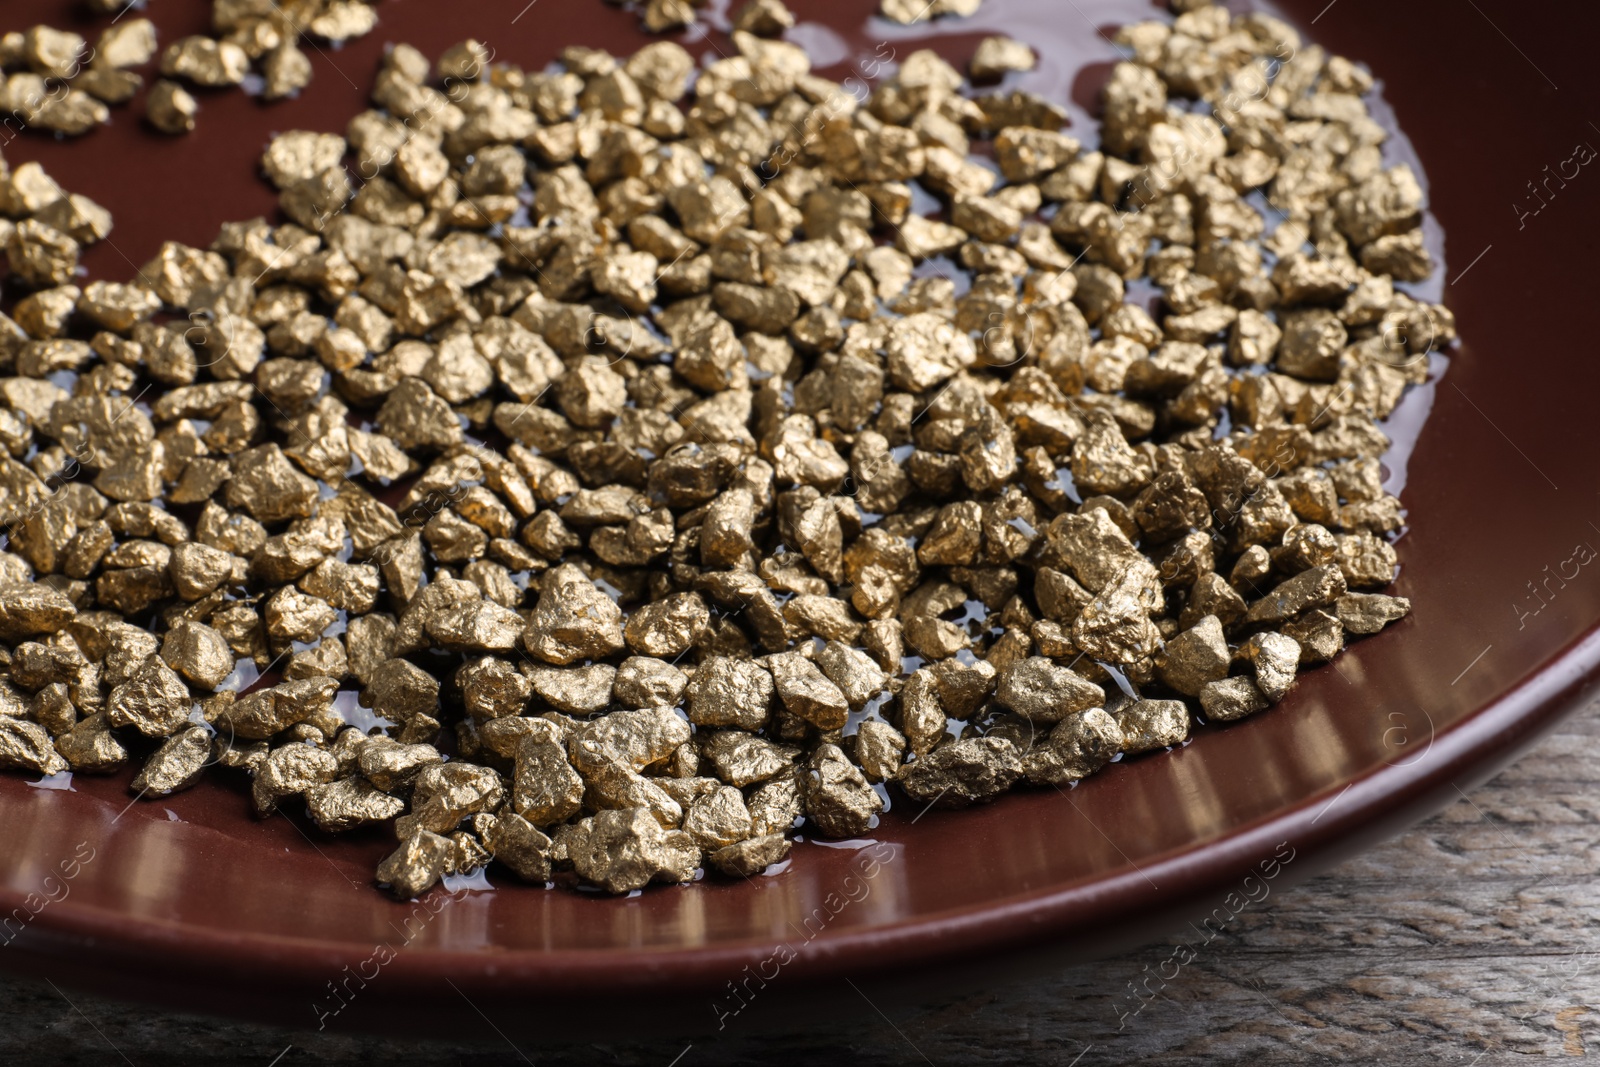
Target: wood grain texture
{"x": 1473, "y": 939}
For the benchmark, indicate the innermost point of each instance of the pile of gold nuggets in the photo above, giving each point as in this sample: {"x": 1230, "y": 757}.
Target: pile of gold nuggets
{"x": 618, "y": 477}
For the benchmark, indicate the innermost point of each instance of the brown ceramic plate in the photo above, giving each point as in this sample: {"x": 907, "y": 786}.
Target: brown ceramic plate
{"x": 192, "y": 903}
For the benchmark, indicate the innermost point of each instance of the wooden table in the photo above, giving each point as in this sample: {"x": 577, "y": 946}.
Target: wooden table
{"x": 1473, "y": 939}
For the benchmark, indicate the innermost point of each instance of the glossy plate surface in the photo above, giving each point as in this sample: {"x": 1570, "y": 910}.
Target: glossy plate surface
{"x": 205, "y": 907}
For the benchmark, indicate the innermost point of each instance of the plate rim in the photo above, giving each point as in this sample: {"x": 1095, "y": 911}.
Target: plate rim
{"x": 1381, "y": 802}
